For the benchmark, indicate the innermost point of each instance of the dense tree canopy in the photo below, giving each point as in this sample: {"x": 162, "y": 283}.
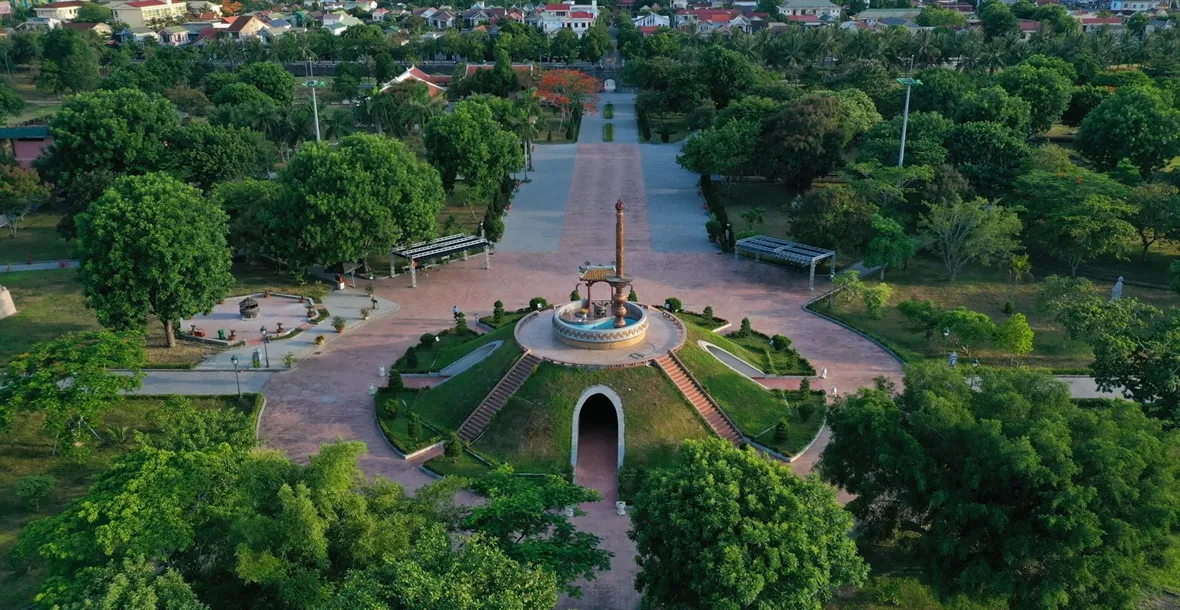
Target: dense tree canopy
{"x": 152, "y": 245}
{"x": 1012, "y": 491}
{"x": 470, "y": 143}
{"x": 205, "y": 154}
{"x": 730, "y": 529}
{"x": 989, "y": 155}
{"x": 1136, "y": 124}
{"x": 804, "y": 141}
{"x": 1046, "y": 90}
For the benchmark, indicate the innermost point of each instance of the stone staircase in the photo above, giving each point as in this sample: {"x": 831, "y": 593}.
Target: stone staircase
{"x": 701, "y": 401}
{"x": 475, "y": 424}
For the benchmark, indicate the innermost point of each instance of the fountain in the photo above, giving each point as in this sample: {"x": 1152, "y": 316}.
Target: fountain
{"x": 611, "y": 324}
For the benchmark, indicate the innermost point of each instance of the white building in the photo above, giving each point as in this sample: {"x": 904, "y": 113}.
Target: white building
{"x": 1137, "y": 6}
{"x": 819, "y": 8}
{"x": 62, "y": 11}
{"x": 143, "y": 13}
{"x": 569, "y": 16}
{"x": 648, "y": 20}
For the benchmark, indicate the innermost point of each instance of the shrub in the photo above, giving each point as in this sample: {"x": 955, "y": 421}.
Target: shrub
{"x": 569, "y": 131}
{"x": 395, "y": 380}
{"x": 1009, "y": 308}
{"x": 461, "y": 323}
{"x": 320, "y": 339}
{"x": 805, "y": 409}
{"x": 288, "y": 359}
{"x": 338, "y": 323}
{"x": 665, "y": 135}
{"x": 608, "y": 132}
{"x": 538, "y": 303}
{"x": 781, "y": 432}
{"x": 426, "y": 340}
{"x": 673, "y": 305}
{"x": 631, "y": 477}
{"x": 415, "y": 426}
{"x": 498, "y": 311}
{"x": 574, "y": 296}
{"x": 388, "y": 406}
{"x": 876, "y": 297}
{"x": 701, "y": 117}
{"x": 707, "y": 314}
{"x": 713, "y": 229}
{"x": 780, "y": 343}
{"x": 805, "y": 386}
{"x": 493, "y": 228}
{"x": 411, "y": 357}
{"x": 35, "y": 489}
{"x": 923, "y": 314}
{"x": 453, "y": 448}
{"x": 609, "y": 111}
{"x": 633, "y": 296}
{"x": 644, "y": 125}
{"x": 745, "y": 329}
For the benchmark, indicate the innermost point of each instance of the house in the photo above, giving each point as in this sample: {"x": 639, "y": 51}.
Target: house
{"x": 40, "y": 23}
{"x": 441, "y": 20}
{"x": 873, "y": 15}
{"x": 820, "y": 8}
{"x": 1135, "y": 6}
{"x": 708, "y": 20}
{"x": 342, "y": 18}
{"x": 807, "y": 21}
{"x": 1028, "y": 28}
{"x": 142, "y": 34}
{"x": 277, "y": 27}
{"x": 651, "y": 20}
{"x": 5, "y": 9}
{"x": 174, "y": 36}
{"x": 246, "y": 27}
{"x": 480, "y": 16}
{"x": 62, "y": 11}
{"x": 1093, "y": 24}
{"x": 553, "y": 18}
{"x": 26, "y": 142}
{"x": 424, "y": 12}
{"x": 101, "y": 30}
{"x": 201, "y": 7}
{"x": 436, "y": 85}
{"x": 379, "y": 14}
{"x": 141, "y": 13}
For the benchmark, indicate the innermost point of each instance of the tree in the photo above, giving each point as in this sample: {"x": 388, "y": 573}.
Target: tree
{"x": 933, "y": 17}
{"x": 803, "y": 141}
{"x": 724, "y": 151}
{"x": 997, "y": 20}
{"x": 524, "y": 519}
{"x": 205, "y": 154}
{"x": 889, "y": 245}
{"x": 968, "y": 327}
{"x": 726, "y": 73}
{"x": 20, "y": 192}
{"x": 69, "y": 63}
{"x": 130, "y": 583}
{"x": 93, "y": 12}
{"x": 1135, "y": 123}
{"x": 569, "y": 90}
{"x": 564, "y": 45}
{"x": 11, "y": 103}
{"x": 272, "y": 79}
{"x": 246, "y": 202}
{"x": 925, "y": 135}
{"x": 595, "y": 43}
{"x": 1068, "y": 301}
{"x": 970, "y": 231}
{"x": 836, "y": 217}
{"x": 98, "y": 136}
{"x": 1014, "y": 336}
{"x": 469, "y": 142}
{"x": 1156, "y": 213}
{"x": 339, "y": 204}
{"x": 1056, "y": 184}
{"x": 1134, "y": 349}
{"x": 876, "y": 297}
{"x": 35, "y": 489}
{"x": 751, "y": 558}
{"x": 847, "y": 284}
{"x": 152, "y": 245}
{"x": 859, "y": 111}
{"x": 1077, "y": 232}
{"x": 67, "y": 380}
{"x": 1046, "y": 90}
{"x": 989, "y": 155}
{"x": 994, "y": 105}
{"x": 752, "y": 108}
{"x": 942, "y": 91}
{"x": 1019, "y": 268}
{"x": 1011, "y": 492}
{"x": 1083, "y": 100}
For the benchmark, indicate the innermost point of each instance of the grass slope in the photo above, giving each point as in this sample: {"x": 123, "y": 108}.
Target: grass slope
{"x": 534, "y": 430}
{"x": 447, "y": 405}
{"x": 36, "y": 236}
{"x": 28, "y": 450}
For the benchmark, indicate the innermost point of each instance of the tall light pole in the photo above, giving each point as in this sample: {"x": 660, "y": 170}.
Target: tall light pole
{"x": 237, "y": 374}
{"x": 905, "y": 117}
{"x": 315, "y": 107}
{"x": 264, "y": 348}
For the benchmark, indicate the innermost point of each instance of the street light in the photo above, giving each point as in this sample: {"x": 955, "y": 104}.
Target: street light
{"x": 315, "y": 109}
{"x": 264, "y": 348}
{"x": 946, "y": 333}
{"x": 237, "y": 374}
{"x": 905, "y": 117}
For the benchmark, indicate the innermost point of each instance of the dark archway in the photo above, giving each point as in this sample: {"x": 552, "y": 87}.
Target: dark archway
{"x": 598, "y": 449}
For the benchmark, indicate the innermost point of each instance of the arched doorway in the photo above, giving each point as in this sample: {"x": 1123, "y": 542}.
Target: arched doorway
{"x": 597, "y": 442}
{"x": 608, "y": 85}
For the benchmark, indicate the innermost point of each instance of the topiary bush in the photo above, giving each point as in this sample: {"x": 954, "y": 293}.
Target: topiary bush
{"x": 412, "y": 357}
{"x": 395, "y": 380}
{"x": 745, "y": 329}
{"x": 633, "y": 296}
{"x": 707, "y": 314}
{"x": 609, "y": 111}
{"x": 498, "y": 311}
{"x": 453, "y": 448}
{"x": 415, "y": 426}
{"x": 673, "y": 305}
{"x": 461, "y": 323}
{"x": 780, "y": 343}
{"x": 805, "y": 410}
{"x": 574, "y": 296}
{"x": 782, "y": 432}
{"x": 805, "y": 386}
{"x": 426, "y": 340}
{"x": 536, "y": 303}
{"x": 608, "y": 132}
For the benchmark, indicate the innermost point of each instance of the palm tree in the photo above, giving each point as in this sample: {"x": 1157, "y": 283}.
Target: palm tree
{"x": 924, "y": 49}
{"x": 861, "y": 45}
{"x": 338, "y": 124}
{"x": 1019, "y": 268}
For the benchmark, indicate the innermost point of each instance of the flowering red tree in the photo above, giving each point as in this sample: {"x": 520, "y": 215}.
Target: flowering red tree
{"x": 569, "y": 89}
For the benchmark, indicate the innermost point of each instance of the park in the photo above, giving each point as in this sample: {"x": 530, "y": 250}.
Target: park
{"x": 695, "y": 326}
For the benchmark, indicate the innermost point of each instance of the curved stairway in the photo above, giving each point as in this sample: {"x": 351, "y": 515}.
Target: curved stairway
{"x": 700, "y": 399}
{"x": 475, "y": 424}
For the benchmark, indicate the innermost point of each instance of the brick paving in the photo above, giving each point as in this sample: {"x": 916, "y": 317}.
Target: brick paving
{"x": 325, "y": 398}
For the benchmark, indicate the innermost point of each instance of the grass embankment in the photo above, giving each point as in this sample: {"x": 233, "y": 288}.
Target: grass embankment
{"x": 450, "y": 347}
{"x": 752, "y": 407}
{"x": 510, "y": 318}
{"x": 28, "y": 450}
{"x": 534, "y": 430}
{"x": 756, "y": 350}
{"x": 699, "y": 320}
{"x": 36, "y": 238}
{"x": 979, "y": 289}
{"x": 608, "y": 132}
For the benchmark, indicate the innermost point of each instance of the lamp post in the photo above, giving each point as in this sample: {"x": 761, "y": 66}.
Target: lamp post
{"x": 905, "y": 117}
{"x": 315, "y": 108}
{"x": 265, "y": 350}
{"x": 237, "y": 374}
{"x": 946, "y": 333}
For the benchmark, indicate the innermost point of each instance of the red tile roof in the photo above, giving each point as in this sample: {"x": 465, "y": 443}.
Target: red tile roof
{"x": 1101, "y": 20}
{"x": 241, "y": 23}
{"x": 145, "y": 3}
{"x": 648, "y": 30}
{"x": 557, "y": 7}
{"x": 581, "y": 15}
{"x": 60, "y": 5}
{"x": 1029, "y": 26}
{"x": 803, "y": 18}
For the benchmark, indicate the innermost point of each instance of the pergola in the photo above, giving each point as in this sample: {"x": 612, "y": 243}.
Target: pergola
{"x": 781, "y": 249}
{"x": 443, "y": 246}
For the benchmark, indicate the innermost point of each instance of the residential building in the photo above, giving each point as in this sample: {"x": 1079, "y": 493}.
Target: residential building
{"x": 553, "y": 18}
{"x": 246, "y": 27}
{"x": 101, "y": 30}
{"x": 873, "y": 15}
{"x": 379, "y": 14}
{"x": 341, "y": 17}
{"x": 142, "y": 34}
{"x": 651, "y": 20}
{"x": 174, "y": 36}
{"x": 1028, "y": 28}
{"x": 201, "y": 7}
{"x": 441, "y": 20}
{"x": 5, "y": 9}
{"x": 480, "y": 16}
{"x": 62, "y": 11}
{"x": 820, "y": 8}
{"x": 40, "y": 23}
{"x": 436, "y": 85}
{"x": 26, "y": 143}
{"x": 1091, "y": 23}
{"x": 708, "y": 20}
{"x": 1134, "y": 6}
{"x": 142, "y": 13}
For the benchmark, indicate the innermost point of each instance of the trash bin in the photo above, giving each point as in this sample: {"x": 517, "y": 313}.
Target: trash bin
{"x": 221, "y": 334}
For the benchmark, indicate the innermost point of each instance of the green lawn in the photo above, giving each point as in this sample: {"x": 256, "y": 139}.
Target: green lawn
{"x": 674, "y": 123}
{"x": 699, "y": 320}
{"x": 510, "y": 318}
{"x": 741, "y": 197}
{"x": 533, "y": 431}
{"x": 36, "y": 237}
{"x": 980, "y": 289}
{"x": 755, "y": 349}
{"x": 26, "y": 450}
{"x": 551, "y": 132}
{"x": 450, "y": 348}
{"x": 467, "y": 209}
{"x": 752, "y": 407}
{"x": 259, "y": 276}
{"x": 396, "y": 428}
{"x": 465, "y": 466}
{"x": 447, "y": 405}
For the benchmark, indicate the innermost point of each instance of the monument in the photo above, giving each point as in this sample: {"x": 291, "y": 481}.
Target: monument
{"x": 611, "y": 324}
{"x": 7, "y": 307}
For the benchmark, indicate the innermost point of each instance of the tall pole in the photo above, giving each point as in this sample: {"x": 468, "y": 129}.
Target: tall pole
{"x": 905, "y": 123}
{"x": 619, "y": 281}
{"x": 315, "y": 111}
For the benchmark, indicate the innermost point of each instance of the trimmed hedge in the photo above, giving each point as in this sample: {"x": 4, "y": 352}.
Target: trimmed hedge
{"x": 609, "y": 111}
{"x": 608, "y": 132}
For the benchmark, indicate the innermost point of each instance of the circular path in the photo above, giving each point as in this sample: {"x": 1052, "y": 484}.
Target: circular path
{"x": 325, "y": 398}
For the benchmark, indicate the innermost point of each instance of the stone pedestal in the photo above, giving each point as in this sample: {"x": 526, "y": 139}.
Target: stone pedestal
{"x": 7, "y": 307}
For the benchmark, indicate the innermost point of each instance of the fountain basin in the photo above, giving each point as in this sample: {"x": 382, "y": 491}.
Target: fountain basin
{"x": 600, "y": 333}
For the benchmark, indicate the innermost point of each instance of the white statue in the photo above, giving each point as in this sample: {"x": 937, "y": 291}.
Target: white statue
{"x": 380, "y": 371}
{"x": 1117, "y": 292}
{"x": 823, "y": 373}
{"x": 953, "y": 359}
{"x": 372, "y": 390}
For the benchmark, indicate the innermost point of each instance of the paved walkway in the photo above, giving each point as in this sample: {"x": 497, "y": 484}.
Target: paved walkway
{"x": 38, "y": 266}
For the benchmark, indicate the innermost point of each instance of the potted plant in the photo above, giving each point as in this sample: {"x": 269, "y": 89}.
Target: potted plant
{"x": 279, "y": 329}
{"x": 338, "y": 323}
{"x": 233, "y": 335}
{"x": 365, "y": 311}
{"x": 266, "y": 293}
{"x": 311, "y": 314}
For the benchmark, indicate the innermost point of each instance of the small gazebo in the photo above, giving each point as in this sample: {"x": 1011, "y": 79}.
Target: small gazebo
{"x": 760, "y": 246}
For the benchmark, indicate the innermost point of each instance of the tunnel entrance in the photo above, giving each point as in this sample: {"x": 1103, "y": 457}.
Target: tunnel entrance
{"x": 598, "y": 449}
